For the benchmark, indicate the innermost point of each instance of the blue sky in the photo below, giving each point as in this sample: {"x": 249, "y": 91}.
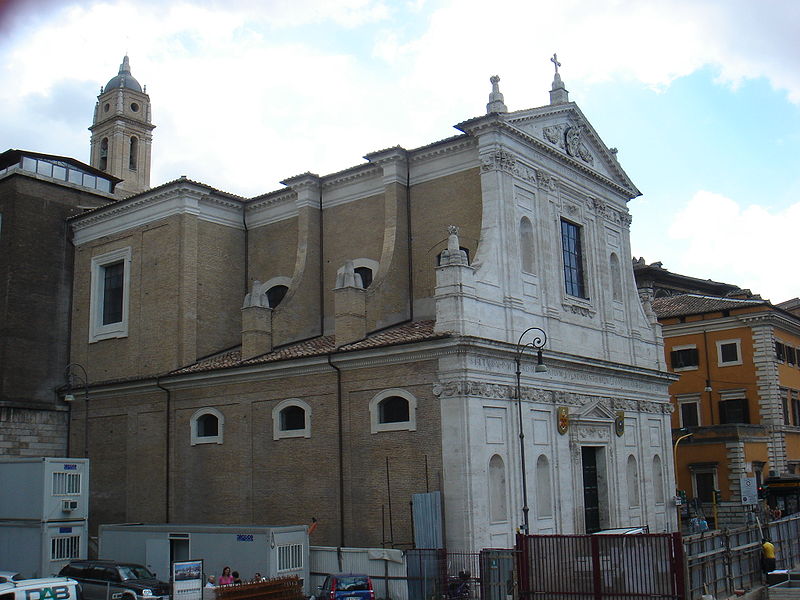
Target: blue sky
{"x": 701, "y": 97}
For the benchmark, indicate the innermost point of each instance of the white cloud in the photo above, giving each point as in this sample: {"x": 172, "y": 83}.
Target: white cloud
{"x": 750, "y": 246}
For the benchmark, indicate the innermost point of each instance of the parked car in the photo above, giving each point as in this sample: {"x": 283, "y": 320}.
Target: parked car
{"x": 112, "y": 580}
{"x": 55, "y": 588}
{"x": 9, "y": 576}
{"x": 346, "y": 586}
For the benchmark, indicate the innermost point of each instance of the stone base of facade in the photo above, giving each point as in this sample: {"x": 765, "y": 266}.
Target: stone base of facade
{"x": 33, "y": 432}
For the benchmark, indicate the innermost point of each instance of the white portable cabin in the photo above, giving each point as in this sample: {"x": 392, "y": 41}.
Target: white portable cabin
{"x": 248, "y": 549}
{"x": 43, "y": 513}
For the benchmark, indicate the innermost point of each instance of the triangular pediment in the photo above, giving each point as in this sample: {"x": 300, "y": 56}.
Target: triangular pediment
{"x": 566, "y": 132}
{"x": 595, "y": 411}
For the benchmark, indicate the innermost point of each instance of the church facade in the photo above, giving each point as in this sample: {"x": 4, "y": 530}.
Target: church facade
{"x": 332, "y": 349}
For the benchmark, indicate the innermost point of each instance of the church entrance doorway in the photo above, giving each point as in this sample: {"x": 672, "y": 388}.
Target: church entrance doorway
{"x": 594, "y": 493}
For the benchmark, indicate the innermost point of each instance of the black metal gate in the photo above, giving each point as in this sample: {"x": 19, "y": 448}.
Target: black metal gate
{"x": 601, "y": 567}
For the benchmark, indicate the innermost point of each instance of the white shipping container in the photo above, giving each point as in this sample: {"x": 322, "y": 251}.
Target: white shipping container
{"x": 40, "y": 549}
{"x": 44, "y": 489}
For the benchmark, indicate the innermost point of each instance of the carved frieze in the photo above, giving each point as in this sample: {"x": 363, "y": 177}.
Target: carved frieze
{"x": 546, "y": 181}
{"x": 569, "y": 138}
{"x": 496, "y": 391}
{"x": 577, "y": 309}
{"x": 503, "y": 160}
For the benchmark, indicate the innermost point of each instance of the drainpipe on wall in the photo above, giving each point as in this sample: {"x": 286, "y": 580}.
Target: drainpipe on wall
{"x": 166, "y": 449}
{"x": 340, "y": 426}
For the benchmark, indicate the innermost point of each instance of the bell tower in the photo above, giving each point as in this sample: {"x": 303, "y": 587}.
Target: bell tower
{"x": 122, "y": 134}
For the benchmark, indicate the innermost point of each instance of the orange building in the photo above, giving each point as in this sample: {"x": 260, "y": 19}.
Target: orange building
{"x": 738, "y": 395}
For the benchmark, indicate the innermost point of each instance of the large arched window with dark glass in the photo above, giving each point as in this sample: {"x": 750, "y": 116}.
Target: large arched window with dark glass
{"x": 104, "y": 154}
{"x": 133, "y": 161}
{"x": 275, "y": 295}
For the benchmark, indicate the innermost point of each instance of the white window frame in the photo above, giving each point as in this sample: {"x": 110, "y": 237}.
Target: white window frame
{"x": 65, "y": 547}
{"x": 684, "y": 347}
{"x": 374, "y": 412}
{"x": 278, "y": 433}
{"x": 207, "y": 439}
{"x": 738, "y": 353}
{"x": 291, "y": 554}
{"x": 98, "y": 331}
{"x": 66, "y": 483}
{"x": 689, "y": 399}
{"x": 703, "y": 470}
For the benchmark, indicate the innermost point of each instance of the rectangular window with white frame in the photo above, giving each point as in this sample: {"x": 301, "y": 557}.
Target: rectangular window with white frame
{"x": 729, "y": 352}
{"x": 65, "y": 547}
{"x": 572, "y": 253}
{"x": 704, "y": 481}
{"x": 684, "y": 358}
{"x": 290, "y": 557}
{"x": 689, "y": 410}
{"x": 110, "y": 291}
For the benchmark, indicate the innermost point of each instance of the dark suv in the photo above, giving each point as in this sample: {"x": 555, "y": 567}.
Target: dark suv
{"x": 111, "y": 580}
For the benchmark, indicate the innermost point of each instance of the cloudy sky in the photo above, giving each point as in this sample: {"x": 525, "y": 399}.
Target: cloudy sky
{"x": 702, "y": 98}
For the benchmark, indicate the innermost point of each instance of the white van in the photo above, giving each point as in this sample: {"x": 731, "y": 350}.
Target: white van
{"x": 48, "y": 588}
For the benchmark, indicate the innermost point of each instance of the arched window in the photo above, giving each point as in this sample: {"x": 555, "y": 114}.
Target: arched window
{"x": 393, "y": 410}
{"x": 275, "y": 295}
{"x": 207, "y": 425}
{"x": 544, "y": 493}
{"x": 291, "y": 419}
{"x": 366, "y": 276}
{"x": 658, "y": 480}
{"x": 526, "y": 244}
{"x": 616, "y": 276}
{"x": 498, "y": 511}
{"x": 633, "y": 482}
{"x": 104, "y": 154}
{"x": 134, "y": 154}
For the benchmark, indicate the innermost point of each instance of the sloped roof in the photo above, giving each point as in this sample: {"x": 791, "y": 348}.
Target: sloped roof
{"x": 416, "y": 331}
{"x": 694, "y": 304}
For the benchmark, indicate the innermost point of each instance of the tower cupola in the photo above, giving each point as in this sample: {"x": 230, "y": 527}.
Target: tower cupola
{"x": 122, "y": 131}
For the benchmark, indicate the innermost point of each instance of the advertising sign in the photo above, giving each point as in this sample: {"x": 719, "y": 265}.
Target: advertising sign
{"x": 187, "y": 577}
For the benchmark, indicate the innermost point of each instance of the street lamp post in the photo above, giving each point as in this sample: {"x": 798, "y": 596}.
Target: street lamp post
{"x": 675, "y": 462}
{"x": 82, "y": 379}
{"x": 537, "y": 344}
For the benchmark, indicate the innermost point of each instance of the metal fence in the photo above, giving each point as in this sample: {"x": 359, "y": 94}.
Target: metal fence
{"x": 601, "y": 567}
{"x": 724, "y": 561}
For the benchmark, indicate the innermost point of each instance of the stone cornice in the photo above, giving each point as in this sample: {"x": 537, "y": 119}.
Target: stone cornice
{"x": 183, "y": 197}
{"x": 486, "y": 123}
{"x": 497, "y": 391}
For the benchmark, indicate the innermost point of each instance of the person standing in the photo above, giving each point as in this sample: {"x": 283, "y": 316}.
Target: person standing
{"x": 226, "y": 578}
{"x": 767, "y": 556}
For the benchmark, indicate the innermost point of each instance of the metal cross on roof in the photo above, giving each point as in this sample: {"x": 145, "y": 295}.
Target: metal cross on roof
{"x": 555, "y": 62}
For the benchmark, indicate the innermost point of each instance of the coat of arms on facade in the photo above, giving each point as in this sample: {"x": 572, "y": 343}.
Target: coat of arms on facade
{"x": 619, "y": 423}
{"x": 563, "y": 419}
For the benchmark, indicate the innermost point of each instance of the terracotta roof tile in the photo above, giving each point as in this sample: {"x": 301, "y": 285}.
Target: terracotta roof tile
{"x": 693, "y": 304}
{"x": 402, "y": 334}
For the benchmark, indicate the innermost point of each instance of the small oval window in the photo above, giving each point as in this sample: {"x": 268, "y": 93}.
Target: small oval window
{"x": 134, "y": 107}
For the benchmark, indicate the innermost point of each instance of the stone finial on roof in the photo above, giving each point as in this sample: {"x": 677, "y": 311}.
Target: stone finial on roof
{"x": 496, "y": 104}
{"x": 256, "y": 297}
{"x": 347, "y": 277}
{"x": 454, "y": 255}
{"x": 558, "y": 93}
